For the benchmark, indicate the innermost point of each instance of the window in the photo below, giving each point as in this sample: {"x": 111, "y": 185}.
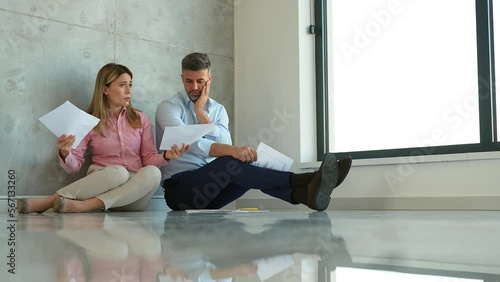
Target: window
{"x": 402, "y": 77}
{"x": 343, "y": 274}
{"x": 496, "y": 29}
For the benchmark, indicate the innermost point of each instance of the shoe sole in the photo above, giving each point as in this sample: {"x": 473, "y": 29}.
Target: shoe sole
{"x": 329, "y": 179}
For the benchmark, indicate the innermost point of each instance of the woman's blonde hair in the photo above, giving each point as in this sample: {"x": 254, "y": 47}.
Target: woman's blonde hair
{"x": 99, "y": 106}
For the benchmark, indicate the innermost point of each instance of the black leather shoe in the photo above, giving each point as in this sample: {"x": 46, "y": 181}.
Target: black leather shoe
{"x": 322, "y": 184}
{"x": 344, "y": 167}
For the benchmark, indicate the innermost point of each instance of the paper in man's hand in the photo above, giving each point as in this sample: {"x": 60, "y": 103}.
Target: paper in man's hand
{"x": 270, "y": 158}
{"x": 70, "y": 120}
{"x": 184, "y": 134}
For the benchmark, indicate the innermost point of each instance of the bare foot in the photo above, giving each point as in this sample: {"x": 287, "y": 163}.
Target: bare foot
{"x": 67, "y": 205}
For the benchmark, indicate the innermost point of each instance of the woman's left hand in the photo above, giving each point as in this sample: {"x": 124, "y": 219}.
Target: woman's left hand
{"x": 176, "y": 152}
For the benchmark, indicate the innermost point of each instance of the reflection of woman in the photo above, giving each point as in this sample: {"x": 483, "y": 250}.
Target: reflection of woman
{"x": 124, "y": 172}
{"x": 73, "y": 267}
{"x": 49, "y": 257}
{"x": 116, "y": 249}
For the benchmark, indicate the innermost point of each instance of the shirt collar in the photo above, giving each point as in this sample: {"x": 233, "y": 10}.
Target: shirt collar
{"x": 122, "y": 112}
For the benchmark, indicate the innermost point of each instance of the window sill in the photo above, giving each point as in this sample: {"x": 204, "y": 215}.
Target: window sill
{"x": 414, "y": 159}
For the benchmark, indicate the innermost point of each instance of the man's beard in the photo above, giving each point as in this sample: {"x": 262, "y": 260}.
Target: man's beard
{"x": 193, "y": 98}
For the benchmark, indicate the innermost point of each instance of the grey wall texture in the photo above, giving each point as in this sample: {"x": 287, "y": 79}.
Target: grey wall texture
{"x": 51, "y": 51}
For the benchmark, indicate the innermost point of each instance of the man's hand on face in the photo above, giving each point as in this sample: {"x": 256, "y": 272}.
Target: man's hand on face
{"x": 202, "y": 100}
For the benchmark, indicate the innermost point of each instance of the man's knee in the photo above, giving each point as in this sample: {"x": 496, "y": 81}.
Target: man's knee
{"x": 230, "y": 165}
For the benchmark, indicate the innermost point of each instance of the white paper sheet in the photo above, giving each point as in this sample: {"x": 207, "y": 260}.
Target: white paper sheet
{"x": 186, "y": 134}
{"x": 270, "y": 158}
{"x": 70, "y": 120}
{"x": 225, "y": 211}
{"x": 268, "y": 267}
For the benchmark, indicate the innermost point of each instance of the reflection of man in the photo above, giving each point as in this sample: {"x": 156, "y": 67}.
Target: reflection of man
{"x": 214, "y": 173}
{"x": 195, "y": 247}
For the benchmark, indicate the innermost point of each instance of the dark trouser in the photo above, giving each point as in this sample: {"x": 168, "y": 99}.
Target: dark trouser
{"x": 222, "y": 181}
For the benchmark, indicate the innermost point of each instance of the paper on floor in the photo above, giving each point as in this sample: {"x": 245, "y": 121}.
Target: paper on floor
{"x": 225, "y": 211}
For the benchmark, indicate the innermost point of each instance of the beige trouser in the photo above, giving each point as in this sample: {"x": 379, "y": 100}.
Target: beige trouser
{"x": 116, "y": 187}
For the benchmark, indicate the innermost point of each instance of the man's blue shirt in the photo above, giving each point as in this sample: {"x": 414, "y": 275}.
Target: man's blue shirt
{"x": 179, "y": 110}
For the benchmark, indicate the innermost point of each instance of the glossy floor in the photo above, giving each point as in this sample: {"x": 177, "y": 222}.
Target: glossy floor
{"x": 342, "y": 246}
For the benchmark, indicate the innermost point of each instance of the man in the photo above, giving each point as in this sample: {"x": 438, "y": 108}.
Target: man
{"x": 213, "y": 173}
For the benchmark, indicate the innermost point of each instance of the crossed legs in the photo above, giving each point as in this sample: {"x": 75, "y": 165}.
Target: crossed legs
{"x": 103, "y": 188}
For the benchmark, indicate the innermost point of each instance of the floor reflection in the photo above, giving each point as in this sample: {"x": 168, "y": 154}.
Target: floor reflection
{"x": 200, "y": 247}
{"x": 275, "y": 246}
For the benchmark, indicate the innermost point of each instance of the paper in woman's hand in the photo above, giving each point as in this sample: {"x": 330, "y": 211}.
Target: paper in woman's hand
{"x": 70, "y": 120}
{"x": 184, "y": 134}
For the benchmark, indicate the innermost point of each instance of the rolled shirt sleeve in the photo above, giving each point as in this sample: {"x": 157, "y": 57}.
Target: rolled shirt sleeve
{"x": 220, "y": 134}
{"x": 149, "y": 154}
{"x": 74, "y": 160}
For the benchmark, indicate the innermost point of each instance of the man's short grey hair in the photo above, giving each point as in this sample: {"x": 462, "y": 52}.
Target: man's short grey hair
{"x": 196, "y": 62}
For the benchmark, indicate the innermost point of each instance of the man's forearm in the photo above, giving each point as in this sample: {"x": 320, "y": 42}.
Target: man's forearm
{"x": 202, "y": 117}
{"x": 220, "y": 150}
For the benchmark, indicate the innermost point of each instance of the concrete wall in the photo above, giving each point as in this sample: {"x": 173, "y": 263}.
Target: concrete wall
{"x": 51, "y": 51}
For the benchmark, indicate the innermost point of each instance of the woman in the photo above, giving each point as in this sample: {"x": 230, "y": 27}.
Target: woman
{"x": 124, "y": 173}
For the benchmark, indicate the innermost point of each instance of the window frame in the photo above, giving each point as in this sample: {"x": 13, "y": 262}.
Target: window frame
{"x": 486, "y": 94}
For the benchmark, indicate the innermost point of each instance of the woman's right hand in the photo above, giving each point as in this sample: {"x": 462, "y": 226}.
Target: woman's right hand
{"x": 64, "y": 144}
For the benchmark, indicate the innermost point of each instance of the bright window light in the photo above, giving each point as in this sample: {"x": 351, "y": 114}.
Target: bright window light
{"x": 343, "y": 274}
{"x": 400, "y": 76}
